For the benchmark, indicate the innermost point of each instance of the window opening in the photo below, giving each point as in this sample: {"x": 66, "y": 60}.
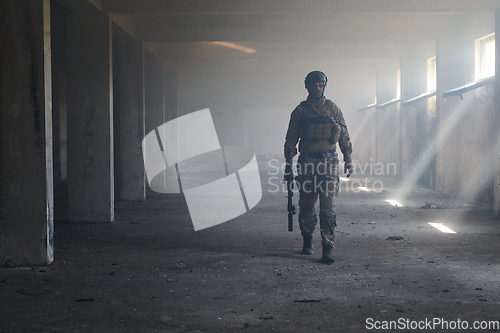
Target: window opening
{"x": 431, "y": 74}
{"x": 485, "y": 56}
{"x": 398, "y": 87}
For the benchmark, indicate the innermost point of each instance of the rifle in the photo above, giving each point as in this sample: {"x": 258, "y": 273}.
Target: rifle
{"x": 289, "y": 185}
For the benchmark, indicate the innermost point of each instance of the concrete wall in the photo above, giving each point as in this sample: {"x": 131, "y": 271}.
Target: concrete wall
{"x": 90, "y": 118}
{"x": 471, "y": 127}
{"x": 365, "y": 134}
{"x": 474, "y": 129}
{"x": 448, "y": 114}
{"x": 377, "y": 129}
{"x": 447, "y": 142}
{"x": 413, "y": 84}
{"x": 128, "y": 116}
{"x": 388, "y": 140}
{"x": 420, "y": 150}
{"x": 455, "y": 67}
{"x": 496, "y": 125}
{"x": 251, "y": 100}
{"x": 476, "y": 145}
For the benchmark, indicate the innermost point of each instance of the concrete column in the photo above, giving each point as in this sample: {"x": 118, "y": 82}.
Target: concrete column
{"x": 59, "y": 69}
{"x": 90, "y": 118}
{"x": 171, "y": 91}
{"x": 453, "y": 69}
{"x": 26, "y": 167}
{"x": 128, "y": 110}
{"x": 154, "y": 93}
{"x": 496, "y": 120}
{"x": 413, "y": 83}
{"x": 386, "y": 90}
{"x": 447, "y": 149}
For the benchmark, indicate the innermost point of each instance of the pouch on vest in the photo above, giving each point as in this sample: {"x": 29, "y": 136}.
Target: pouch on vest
{"x": 322, "y": 128}
{"x": 335, "y": 133}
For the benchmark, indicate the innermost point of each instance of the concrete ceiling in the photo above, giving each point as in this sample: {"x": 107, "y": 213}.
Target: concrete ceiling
{"x": 169, "y": 27}
{"x": 290, "y": 28}
{"x": 299, "y": 6}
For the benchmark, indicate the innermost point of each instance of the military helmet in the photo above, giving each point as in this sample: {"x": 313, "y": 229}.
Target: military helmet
{"x": 315, "y": 77}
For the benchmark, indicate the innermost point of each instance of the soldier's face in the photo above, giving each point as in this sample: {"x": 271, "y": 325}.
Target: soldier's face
{"x": 316, "y": 89}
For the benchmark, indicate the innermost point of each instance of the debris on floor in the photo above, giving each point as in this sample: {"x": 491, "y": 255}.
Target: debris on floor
{"x": 429, "y": 205}
{"x": 85, "y": 300}
{"x": 394, "y": 238}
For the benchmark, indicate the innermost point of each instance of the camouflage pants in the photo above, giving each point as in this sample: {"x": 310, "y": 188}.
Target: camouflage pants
{"x": 318, "y": 178}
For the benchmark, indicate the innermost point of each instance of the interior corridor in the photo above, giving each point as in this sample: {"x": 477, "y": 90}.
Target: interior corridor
{"x": 141, "y": 159}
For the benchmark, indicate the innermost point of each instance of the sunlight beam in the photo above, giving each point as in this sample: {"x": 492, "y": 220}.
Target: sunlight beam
{"x": 394, "y": 203}
{"x": 425, "y": 159}
{"x": 442, "y": 228}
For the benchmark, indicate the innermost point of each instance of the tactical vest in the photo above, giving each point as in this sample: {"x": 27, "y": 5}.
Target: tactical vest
{"x": 319, "y": 126}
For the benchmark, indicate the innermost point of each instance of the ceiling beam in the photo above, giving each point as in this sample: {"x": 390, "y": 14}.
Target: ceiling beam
{"x": 127, "y": 22}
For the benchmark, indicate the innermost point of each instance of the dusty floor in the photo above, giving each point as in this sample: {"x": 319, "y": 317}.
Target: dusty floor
{"x": 150, "y": 272}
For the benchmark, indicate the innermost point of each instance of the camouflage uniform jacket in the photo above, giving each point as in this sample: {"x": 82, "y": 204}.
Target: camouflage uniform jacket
{"x": 308, "y": 112}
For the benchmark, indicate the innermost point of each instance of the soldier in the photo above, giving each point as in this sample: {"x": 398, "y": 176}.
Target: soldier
{"x": 319, "y": 124}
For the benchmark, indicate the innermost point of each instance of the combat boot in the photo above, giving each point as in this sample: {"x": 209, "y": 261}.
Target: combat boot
{"x": 327, "y": 256}
{"x": 307, "y": 248}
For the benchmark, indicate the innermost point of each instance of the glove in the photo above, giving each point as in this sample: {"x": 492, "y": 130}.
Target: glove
{"x": 348, "y": 166}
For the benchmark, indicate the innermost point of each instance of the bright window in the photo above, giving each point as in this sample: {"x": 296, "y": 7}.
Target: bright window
{"x": 398, "y": 88}
{"x": 431, "y": 74}
{"x": 485, "y": 56}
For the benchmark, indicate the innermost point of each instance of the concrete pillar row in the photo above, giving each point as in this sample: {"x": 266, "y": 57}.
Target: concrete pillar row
{"x": 90, "y": 118}
{"x": 26, "y": 166}
{"x": 129, "y": 117}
